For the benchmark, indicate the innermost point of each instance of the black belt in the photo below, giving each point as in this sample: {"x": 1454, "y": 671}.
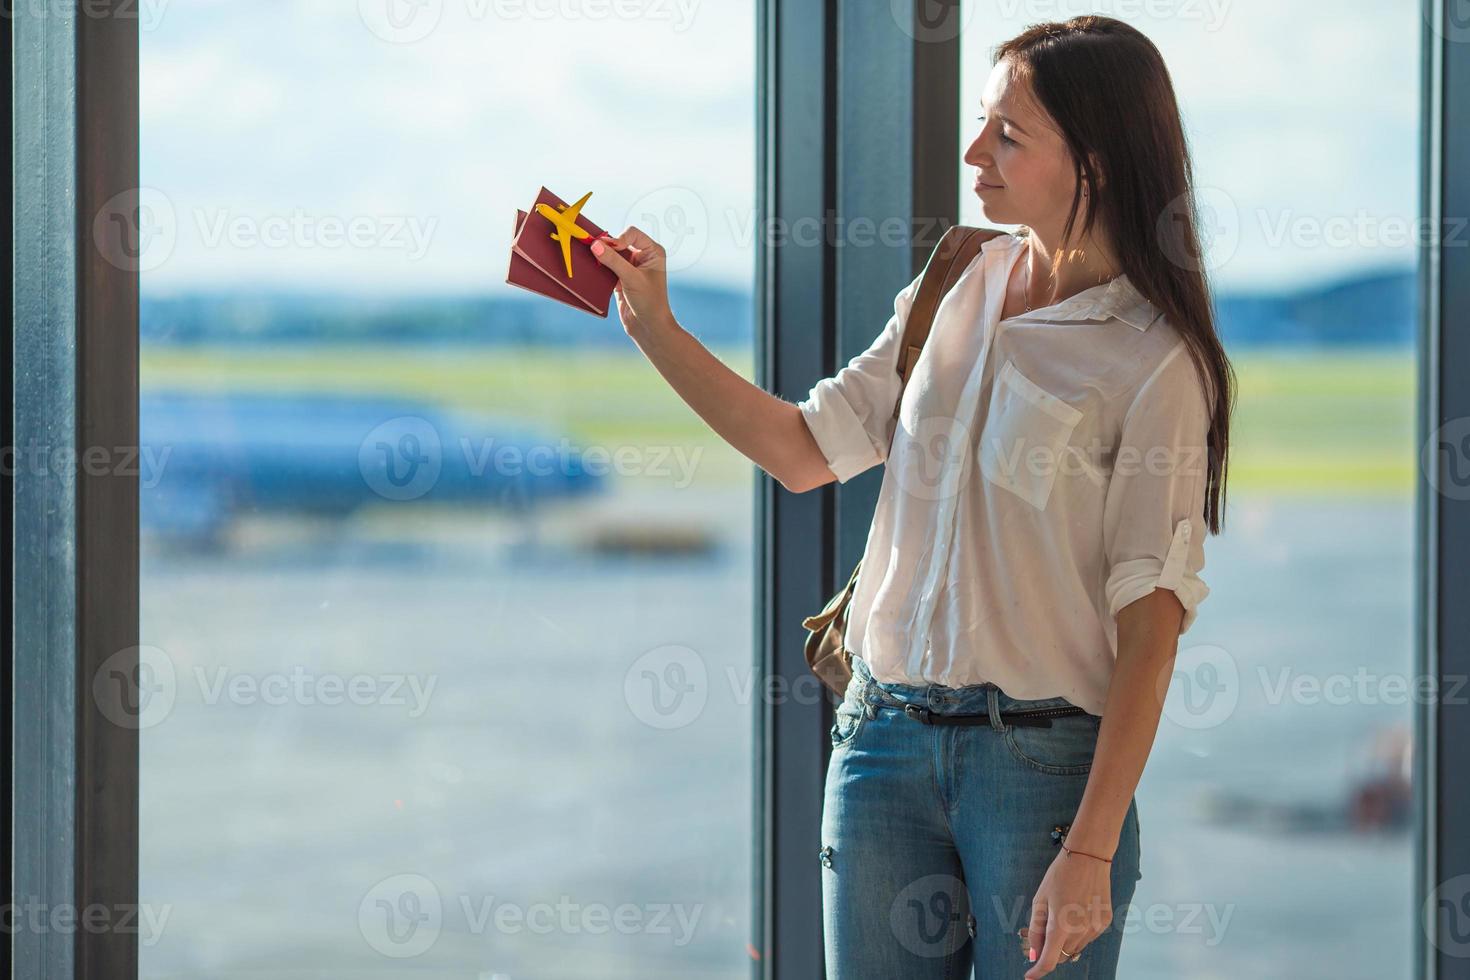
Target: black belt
{"x": 1037, "y": 717}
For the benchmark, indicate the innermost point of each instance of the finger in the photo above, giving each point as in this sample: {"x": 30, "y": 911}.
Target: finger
{"x": 1036, "y": 934}
{"x": 608, "y": 256}
{"x": 639, "y": 239}
{"x": 640, "y": 259}
{"x": 1057, "y": 939}
{"x": 648, "y": 258}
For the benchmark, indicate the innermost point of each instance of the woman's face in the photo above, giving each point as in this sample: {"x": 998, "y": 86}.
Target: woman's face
{"x": 1023, "y": 169}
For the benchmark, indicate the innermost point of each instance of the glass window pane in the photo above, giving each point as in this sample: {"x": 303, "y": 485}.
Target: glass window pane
{"x": 447, "y": 598}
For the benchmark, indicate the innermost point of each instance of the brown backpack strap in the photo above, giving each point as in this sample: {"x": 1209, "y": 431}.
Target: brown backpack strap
{"x": 956, "y": 249}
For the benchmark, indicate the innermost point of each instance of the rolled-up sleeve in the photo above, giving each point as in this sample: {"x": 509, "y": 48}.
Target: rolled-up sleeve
{"x": 851, "y": 414}
{"x": 1153, "y": 515}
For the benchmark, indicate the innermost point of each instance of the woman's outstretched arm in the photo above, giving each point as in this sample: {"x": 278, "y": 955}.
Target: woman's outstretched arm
{"x": 767, "y": 430}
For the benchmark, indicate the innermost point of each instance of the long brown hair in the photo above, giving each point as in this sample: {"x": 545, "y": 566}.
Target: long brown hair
{"x": 1105, "y": 85}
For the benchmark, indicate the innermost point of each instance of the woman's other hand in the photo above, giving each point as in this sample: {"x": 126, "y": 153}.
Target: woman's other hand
{"x": 642, "y": 288}
{"x": 1072, "y": 907}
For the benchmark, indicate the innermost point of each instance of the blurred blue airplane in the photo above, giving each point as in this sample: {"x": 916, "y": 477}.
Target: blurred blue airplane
{"x": 207, "y": 457}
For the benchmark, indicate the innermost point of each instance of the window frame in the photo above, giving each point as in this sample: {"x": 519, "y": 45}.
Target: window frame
{"x": 74, "y": 550}
{"x": 1442, "y": 732}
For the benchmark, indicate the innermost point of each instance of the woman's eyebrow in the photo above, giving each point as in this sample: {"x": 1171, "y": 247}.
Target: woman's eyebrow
{"x": 1007, "y": 120}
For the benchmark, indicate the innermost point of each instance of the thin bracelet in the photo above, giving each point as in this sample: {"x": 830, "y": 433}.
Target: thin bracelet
{"x": 1085, "y": 854}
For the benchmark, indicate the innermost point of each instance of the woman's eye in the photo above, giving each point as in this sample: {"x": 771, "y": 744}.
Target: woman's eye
{"x": 1003, "y": 137}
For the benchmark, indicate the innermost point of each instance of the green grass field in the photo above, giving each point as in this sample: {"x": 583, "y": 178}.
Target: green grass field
{"x": 1309, "y": 423}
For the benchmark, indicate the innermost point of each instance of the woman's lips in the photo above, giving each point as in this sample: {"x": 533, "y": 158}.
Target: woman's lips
{"x": 980, "y": 185}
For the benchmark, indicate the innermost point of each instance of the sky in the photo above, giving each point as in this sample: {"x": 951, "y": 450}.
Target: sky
{"x": 385, "y": 145}
{"x": 1303, "y": 128}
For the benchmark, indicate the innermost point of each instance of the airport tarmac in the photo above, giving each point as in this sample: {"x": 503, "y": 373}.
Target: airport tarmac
{"x": 476, "y": 754}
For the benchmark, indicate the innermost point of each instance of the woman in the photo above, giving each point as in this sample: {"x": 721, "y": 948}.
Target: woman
{"x": 1059, "y": 454}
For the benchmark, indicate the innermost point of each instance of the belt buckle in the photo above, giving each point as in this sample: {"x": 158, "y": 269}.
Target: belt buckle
{"x": 918, "y": 713}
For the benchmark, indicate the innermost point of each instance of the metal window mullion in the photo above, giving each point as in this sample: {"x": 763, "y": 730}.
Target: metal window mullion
{"x": 858, "y": 119}
{"x": 74, "y": 560}
{"x": 1443, "y": 727}
{"x": 794, "y": 301}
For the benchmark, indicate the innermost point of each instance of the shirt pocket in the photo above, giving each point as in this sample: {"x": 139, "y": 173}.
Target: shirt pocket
{"x": 1024, "y": 441}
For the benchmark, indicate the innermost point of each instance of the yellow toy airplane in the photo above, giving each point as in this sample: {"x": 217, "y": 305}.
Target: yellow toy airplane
{"x": 567, "y": 228}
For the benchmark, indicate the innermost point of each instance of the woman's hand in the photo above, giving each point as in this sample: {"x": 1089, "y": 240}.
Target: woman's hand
{"x": 642, "y": 288}
{"x": 1072, "y": 907}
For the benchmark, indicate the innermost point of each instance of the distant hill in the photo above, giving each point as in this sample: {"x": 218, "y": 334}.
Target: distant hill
{"x": 718, "y": 316}
{"x": 1379, "y": 309}
{"x": 1376, "y": 309}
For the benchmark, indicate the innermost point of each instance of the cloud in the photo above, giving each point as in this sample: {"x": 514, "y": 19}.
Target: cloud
{"x": 271, "y": 110}
{"x": 306, "y": 111}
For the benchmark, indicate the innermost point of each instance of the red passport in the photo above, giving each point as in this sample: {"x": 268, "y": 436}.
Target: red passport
{"x": 542, "y": 247}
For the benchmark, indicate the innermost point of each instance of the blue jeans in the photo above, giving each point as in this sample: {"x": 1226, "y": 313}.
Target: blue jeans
{"x": 936, "y": 837}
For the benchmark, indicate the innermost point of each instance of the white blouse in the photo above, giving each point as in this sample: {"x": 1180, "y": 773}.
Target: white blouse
{"x": 1090, "y": 491}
